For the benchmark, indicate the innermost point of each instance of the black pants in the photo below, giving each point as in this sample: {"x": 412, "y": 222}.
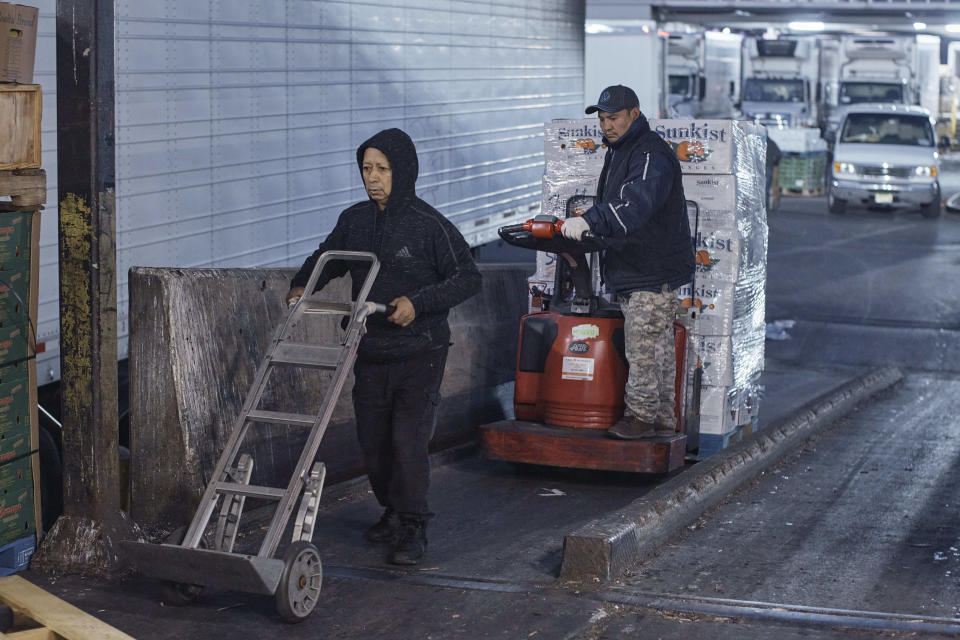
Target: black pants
{"x": 395, "y": 405}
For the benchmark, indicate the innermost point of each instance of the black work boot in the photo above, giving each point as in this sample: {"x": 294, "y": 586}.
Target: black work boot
{"x": 386, "y": 529}
{"x": 630, "y": 428}
{"x": 411, "y": 544}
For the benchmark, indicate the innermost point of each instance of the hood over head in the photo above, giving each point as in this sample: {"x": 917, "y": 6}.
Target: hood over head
{"x": 402, "y": 155}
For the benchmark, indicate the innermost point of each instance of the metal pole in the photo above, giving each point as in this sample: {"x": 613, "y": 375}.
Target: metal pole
{"x": 84, "y": 537}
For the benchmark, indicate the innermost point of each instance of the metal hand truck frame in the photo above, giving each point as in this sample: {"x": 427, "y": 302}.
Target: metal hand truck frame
{"x": 295, "y": 579}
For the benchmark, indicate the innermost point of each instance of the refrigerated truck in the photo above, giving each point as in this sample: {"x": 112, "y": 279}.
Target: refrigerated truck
{"x": 860, "y": 69}
{"x": 631, "y": 55}
{"x": 778, "y": 81}
{"x": 686, "y": 65}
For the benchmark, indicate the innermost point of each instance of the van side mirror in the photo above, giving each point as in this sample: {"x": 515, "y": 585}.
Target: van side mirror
{"x": 944, "y": 142}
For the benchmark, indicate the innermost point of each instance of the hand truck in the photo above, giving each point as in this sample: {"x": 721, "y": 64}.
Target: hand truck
{"x": 184, "y": 562}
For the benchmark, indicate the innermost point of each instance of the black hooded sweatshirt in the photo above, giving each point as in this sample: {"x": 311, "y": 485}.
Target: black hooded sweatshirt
{"x": 422, "y": 256}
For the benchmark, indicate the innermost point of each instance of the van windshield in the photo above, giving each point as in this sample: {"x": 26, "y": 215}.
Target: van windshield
{"x": 773, "y": 90}
{"x": 858, "y": 92}
{"x": 887, "y": 128}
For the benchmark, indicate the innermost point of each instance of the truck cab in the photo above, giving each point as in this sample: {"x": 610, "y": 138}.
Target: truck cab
{"x": 776, "y": 85}
{"x": 685, "y": 74}
{"x": 870, "y": 69}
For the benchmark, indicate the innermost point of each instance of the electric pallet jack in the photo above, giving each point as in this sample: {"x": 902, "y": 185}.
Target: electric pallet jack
{"x": 572, "y": 368}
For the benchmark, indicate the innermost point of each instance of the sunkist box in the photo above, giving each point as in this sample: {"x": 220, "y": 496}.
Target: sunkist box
{"x": 728, "y": 360}
{"x": 726, "y": 308}
{"x": 18, "y": 42}
{"x": 715, "y": 146}
{"x": 573, "y": 147}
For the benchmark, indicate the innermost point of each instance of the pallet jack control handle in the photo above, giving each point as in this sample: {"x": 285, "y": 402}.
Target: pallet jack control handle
{"x": 545, "y": 227}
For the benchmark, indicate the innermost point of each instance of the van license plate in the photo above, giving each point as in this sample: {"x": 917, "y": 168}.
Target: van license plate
{"x": 883, "y": 198}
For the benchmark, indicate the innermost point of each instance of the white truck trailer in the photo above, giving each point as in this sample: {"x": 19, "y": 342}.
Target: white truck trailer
{"x": 779, "y": 80}
{"x": 686, "y": 66}
{"x": 631, "y": 55}
{"x": 237, "y": 124}
{"x": 868, "y": 68}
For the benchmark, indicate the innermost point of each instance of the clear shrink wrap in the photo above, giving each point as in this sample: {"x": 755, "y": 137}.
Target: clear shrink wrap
{"x": 726, "y": 308}
{"x": 573, "y": 147}
{"x": 564, "y": 195}
{"x": 728, "y": 361}
{"x": 797, "y": 139}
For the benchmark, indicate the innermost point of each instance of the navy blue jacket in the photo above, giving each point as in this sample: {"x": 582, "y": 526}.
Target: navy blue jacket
{"x": 642, "y": 212}
{"x": 422, "y": 256}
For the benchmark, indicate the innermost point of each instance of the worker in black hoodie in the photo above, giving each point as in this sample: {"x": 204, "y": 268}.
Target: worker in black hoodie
{"x": 426, "y": 268}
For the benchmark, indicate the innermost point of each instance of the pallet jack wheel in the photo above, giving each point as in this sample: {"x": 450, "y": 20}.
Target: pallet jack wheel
{"x": 299, "y": 587}
{"x": 179, "y": 594}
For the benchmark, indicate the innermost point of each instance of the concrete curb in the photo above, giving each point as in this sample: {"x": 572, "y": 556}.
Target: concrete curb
{"x": 606, "y": 548}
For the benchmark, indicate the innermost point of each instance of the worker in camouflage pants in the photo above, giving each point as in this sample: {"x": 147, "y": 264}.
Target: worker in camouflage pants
{"x": 641, "y": 212}
{"x": 648, "y": 329}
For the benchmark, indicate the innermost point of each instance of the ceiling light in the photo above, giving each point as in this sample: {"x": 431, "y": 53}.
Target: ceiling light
{"x": 952, "y": 28}
{"x": 596, "y": 27}
{"x": 807, "y": 26}
{"x": 919, "y": 26}
{"x": 726, "y": 30}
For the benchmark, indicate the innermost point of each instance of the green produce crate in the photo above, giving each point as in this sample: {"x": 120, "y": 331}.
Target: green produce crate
{"x": 803, "y": 172}
{"x": 15, "y": 418}
{"x": 17, "y": 340}
{"x": 16, "y": 234}
{"x": 17, "y": 504}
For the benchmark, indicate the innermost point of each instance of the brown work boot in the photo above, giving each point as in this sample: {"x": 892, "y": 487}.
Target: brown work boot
{"x": 664, "y": 431}
{"x": 630, "y": 428}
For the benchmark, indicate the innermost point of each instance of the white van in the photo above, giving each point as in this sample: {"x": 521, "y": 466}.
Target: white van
{"x": 885, "y": 155}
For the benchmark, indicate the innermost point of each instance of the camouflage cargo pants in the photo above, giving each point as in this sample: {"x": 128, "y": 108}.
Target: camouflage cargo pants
{"x": 648, "y": 336}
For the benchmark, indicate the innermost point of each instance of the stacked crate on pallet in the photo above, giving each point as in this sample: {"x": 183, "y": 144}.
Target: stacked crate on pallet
{"x": 804, "y": 162}
{"x": 22, "y": 195}
{"x": 724, "y": 182}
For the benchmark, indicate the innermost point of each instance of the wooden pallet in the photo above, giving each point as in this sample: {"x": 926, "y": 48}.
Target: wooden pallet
{"x": 802, "y": 192}
{"x": 38, "y": 615}
{"x": 26, "y": 188}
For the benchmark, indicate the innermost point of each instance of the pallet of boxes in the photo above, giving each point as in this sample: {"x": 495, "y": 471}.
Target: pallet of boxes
{"x": 573, "y": 159}
{"x": 724, "y": 182}
{"x": 22, "y": 195}
{"x": 803, "y": 167}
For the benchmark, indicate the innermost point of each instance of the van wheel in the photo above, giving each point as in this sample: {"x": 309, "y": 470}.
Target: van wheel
{"x": 931, "y": 210}
{"x": 836, "y": 205}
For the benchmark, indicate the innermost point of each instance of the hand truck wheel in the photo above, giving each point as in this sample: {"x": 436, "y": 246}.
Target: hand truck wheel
{"x": 179, "y": 594}
{"x": 300, "y": 582}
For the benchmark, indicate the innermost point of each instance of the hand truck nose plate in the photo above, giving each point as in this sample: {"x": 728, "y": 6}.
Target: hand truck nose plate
{"x": 216, "y": 569}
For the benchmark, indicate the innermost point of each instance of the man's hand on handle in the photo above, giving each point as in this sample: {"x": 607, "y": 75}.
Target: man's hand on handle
{"x": 405, "y": 313}
{"x": 293, "y": 294}
{"x": 574, "y": 228}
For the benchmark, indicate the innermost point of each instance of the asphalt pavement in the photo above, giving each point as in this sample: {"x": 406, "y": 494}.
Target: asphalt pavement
{"x": 855, "y": 532}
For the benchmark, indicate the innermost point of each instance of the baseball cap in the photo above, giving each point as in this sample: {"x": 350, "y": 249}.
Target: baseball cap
{"x": 615, "y": 98}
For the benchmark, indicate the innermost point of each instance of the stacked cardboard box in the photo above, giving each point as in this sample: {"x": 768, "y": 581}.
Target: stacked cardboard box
{"x": 573, "y": 154}
{"x": 723, "y": 163}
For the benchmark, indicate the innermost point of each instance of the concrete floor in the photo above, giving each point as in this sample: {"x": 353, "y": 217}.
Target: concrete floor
{"x": 863, "y": 518}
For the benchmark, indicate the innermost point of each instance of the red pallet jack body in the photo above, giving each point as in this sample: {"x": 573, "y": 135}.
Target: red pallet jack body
{"x": 571, "y": 372}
